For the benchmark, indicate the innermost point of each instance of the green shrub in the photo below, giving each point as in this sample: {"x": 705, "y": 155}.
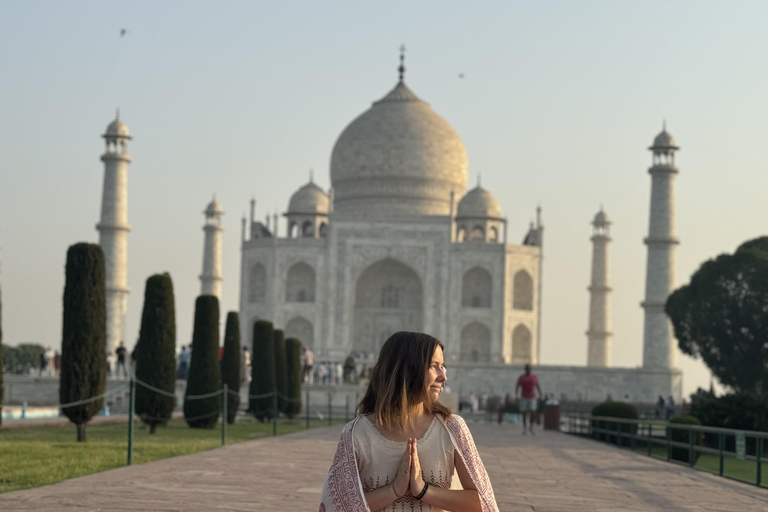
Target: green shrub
{"x": 21, "y": 359}
{"x": 84, "y": 335}
{"x": 156, "y": 352}
{"x": 740, "y": 411}
{"x": 615, "y": 410}
{"x": 263, "y": 374}
{"x": 204, "y": 370}
{"x": 293, "y": 363}
{"x": 231, "y": 364}
{"x": 281, "y": 370}
{"x": 682, "y": 436}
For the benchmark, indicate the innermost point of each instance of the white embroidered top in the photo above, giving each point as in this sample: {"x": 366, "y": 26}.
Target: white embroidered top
{"x": 378, "y": 459}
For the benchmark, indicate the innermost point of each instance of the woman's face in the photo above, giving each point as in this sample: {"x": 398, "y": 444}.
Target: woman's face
{"x": 436, "y": 375}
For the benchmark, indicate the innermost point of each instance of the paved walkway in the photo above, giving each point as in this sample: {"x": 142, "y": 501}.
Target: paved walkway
{"x": 550, "y": 472}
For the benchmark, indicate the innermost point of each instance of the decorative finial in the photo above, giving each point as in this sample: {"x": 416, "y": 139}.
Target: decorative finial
{"x": 401, "y": 69}
{"x": 311, "y": 175}
{"x": 479, "y": 179}
{"x": 117, "y": 113}
{"x": 664, "y": 125}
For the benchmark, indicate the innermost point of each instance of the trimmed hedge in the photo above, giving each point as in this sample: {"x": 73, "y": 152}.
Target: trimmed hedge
{"x": 615, "y": 410}
{"x": 204, "y": 370}
{"x": 294, "y": 369}
{"x": 682, "y": 436}
{"x": 281, "y": 370}
{"x": 84, "y": 335}
{"x": 156, "y": 352}
{"x": 230, "y": 365}
{"x": 263, "y": 374}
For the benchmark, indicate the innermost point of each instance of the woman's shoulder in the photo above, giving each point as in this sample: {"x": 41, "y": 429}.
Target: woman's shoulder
{"x": 456, "y": 421}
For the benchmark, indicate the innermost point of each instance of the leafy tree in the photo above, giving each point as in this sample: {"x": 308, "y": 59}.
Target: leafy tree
{"x": 22, "y": 359}
{"x": 231, "y": 364}
{"x": 204, "y": 371}
{"x": 156, "y": 352}
{"x": 293, "y": 362}
{"x": 722, "y": 316}
{"x": 263, "y": 374}
{"x": 2, "y": 365}
{"x": 84, "y": 335}
{"x": 281, "y": 370}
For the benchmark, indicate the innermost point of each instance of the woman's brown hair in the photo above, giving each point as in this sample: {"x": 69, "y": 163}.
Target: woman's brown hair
{"x": 398, "y": 381}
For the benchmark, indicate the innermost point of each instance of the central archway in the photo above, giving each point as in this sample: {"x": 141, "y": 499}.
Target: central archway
{"x": 388, "y": 298}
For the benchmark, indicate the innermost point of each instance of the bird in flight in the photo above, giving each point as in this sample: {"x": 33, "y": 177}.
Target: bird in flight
{"x": 123, "y": 31}
{"x": 461, "y": 75}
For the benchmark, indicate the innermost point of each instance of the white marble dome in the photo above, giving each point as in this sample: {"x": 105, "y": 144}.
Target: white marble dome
{"x": 397, "y": 158}
{"x": 478, "y": 203}
{"x": 117, "y": 129}
{"x": 214, "y": 208}
{"x": 601, "y": 219}
{"x": 664, "y": 141}
{"x": 309, "y": 199}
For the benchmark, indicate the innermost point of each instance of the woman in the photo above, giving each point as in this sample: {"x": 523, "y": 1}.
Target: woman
{"x": 401, "y": 451}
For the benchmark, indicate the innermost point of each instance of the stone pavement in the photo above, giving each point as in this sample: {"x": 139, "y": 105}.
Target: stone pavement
{"x": 549, "y": 472}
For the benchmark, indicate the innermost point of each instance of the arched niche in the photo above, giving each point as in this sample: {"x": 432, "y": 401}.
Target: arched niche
{"x": 522, "y": 291}
{"x": 476, "y": 343}
{"x": 461, "y": 236}
{"x": 307, "y": 229}
{"x": 476, "y": 288}
{"x": 300, "y": 283}
{"x": 478, "y": 234}
{"x": 257, "y": 283}
{"x": 521, "y": 345}
{"x": 388, "y": 298}
{"x": 301, "y": 329}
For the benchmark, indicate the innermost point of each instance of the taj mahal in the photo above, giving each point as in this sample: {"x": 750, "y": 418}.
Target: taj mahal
{"x": 399, "y": 242}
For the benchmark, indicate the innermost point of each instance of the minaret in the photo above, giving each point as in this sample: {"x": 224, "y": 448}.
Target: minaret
{"x": 211, "y": 277}
{"x": 659, "y": 349}
{"x": 599, "y": 333}
{"x": 113, "y": 230}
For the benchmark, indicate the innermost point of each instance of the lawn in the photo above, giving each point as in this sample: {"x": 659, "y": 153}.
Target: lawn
{"x": 35, "y": 456}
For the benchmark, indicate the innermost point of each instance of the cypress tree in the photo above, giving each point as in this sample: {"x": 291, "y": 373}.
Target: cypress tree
{"x": 231, "y": 364}
{"x": 156, "y": 352}
{"x": 204, "y": 371}
{"x": 83, "y": 343}
{"x": 1, "y": 360}
{"x": 281, "y": 370}
{"x": 293, "y": 363}
{"x": 263, "y": 374}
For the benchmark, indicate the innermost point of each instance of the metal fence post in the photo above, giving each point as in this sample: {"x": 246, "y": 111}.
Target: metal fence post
{"x": 758, "y": 457}
{"x": 330, "y": 410}
{"x": 650, "y": 439}
{"x": 691, "y": 448}
{"x": 274, "y": 413}
{"x": 224, "y": 400}
{"x": 721, "y": 447}
{"x": 131, "y": 411}
{"x": 306, "y": 407}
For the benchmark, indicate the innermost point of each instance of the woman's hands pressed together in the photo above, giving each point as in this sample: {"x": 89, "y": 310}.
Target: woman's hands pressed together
{"x": 416, "y": 482}
{"x": 402, "y": 480}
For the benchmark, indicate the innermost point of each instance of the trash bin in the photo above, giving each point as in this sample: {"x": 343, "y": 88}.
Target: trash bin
{"x": 551, "y": 417}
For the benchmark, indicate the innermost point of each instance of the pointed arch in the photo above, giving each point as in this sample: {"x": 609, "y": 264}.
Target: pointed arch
{"x": 300, "y": 283}
{"x": 521, "y": 345}
{"x": 478, "y": 234}
{"x": 476, "y": 343}
{"x": 522, "y": 290}
{"x": 257, "y": 283}
{"x": 476, "y": 288}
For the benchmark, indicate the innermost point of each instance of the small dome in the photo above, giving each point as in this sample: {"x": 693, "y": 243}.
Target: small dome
{"x": 478, "y": 203}
{"x": 117, "y": 129}
{"x": 601, "y": 219}
{"x": 663, "y": 142}
{"x": 214, "y": 208}
{"x": 309, "y": 199}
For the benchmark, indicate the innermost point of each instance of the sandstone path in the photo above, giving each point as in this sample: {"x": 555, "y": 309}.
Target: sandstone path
{"x": 549, "y": 472}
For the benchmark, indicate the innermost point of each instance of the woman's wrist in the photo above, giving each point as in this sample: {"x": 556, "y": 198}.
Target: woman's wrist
{"x": 394, "y": 490}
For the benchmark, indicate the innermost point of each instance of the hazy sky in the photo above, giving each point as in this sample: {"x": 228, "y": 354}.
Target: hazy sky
{"x": 559, "y": 103}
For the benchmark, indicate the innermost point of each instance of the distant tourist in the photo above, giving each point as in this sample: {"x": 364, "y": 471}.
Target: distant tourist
{"x": 121, "y": 351}
{"x": 349, "y": 369}
{"x": 670, "y": 407}
{"x": 660, "y": 405}
{"x": 184, "y": 358}
{"x": 505, "y": 408}
{"x": 308, "y": 363}
{"x": 43, "y": 364}
{"x": 403, "y": 449}
{"x": 57, "y": 364}
{"x": 245, "y": 366}
{"x": 529, "y": 384}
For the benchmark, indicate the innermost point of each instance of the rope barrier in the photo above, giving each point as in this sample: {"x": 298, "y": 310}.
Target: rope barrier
{"x": 207, "y": 395}
{"x": 287, "y": 398}
{"x": 153, "y": 388}
{"x": 265, "y": 395}
{"x": 93, "y": 399}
